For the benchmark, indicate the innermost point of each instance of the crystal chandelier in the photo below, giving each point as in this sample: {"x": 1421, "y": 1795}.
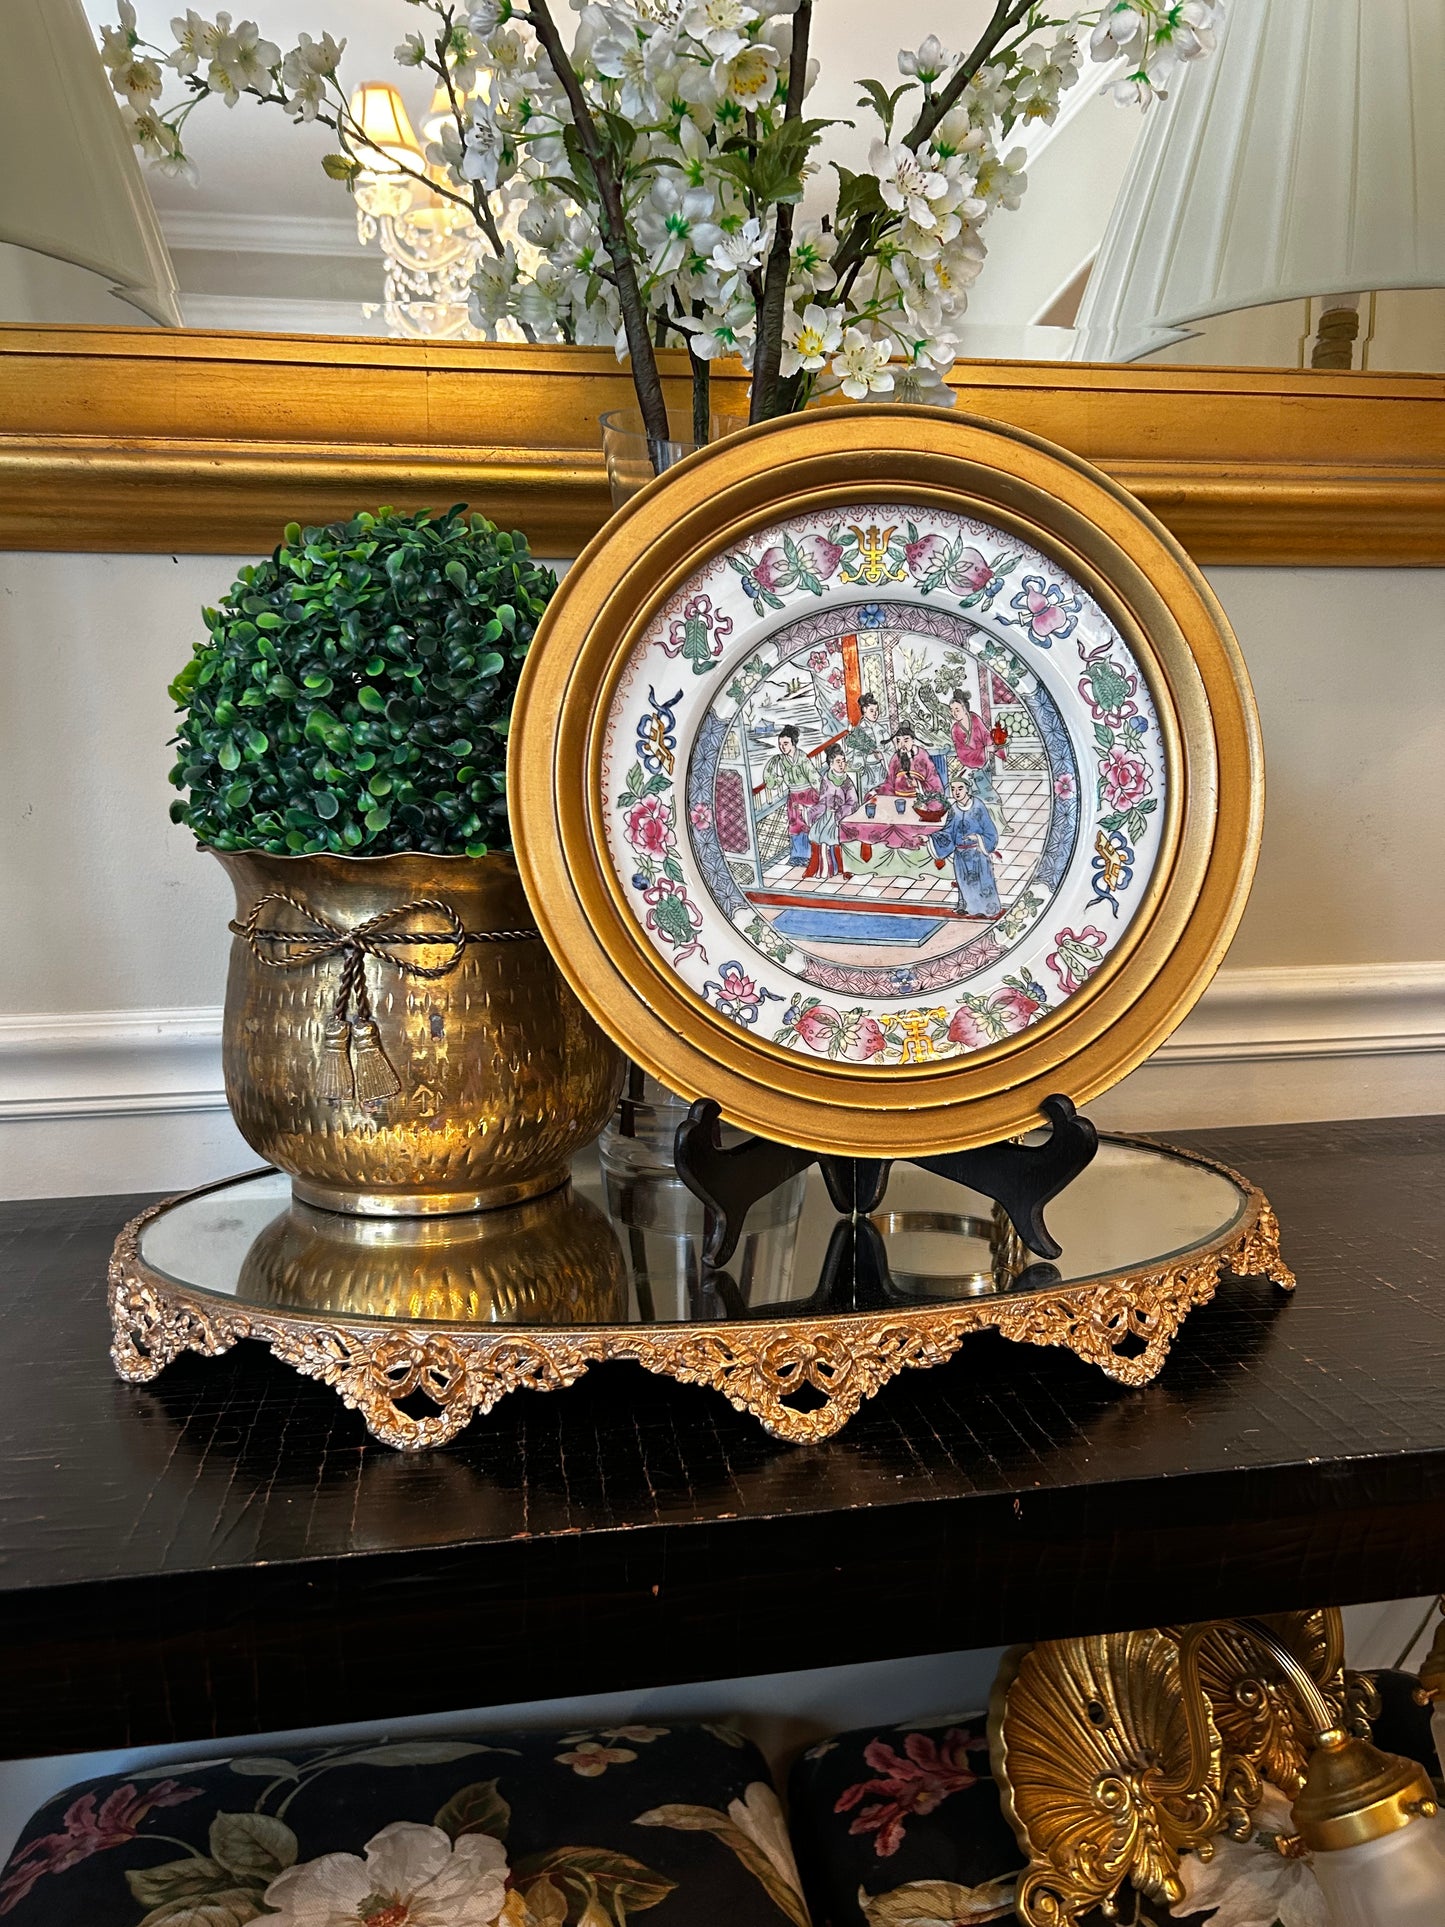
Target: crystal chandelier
{"x": 429, "y": 243}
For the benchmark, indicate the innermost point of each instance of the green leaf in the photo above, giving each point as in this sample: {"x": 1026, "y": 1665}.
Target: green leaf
{"x": 618, "y": 1876}
{"x": 228, "y": 756}
{"x": 371, "y": 700}
{"x": 255, "y": 1845}
{"x": 477, "y": 1808}
{"x": 175, "y": 1880}
{"x": 340, "y": 167}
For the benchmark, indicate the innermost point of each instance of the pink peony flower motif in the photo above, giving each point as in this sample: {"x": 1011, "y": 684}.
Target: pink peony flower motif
{"x": 1015, "y": 1010}
{"x": 1125, "y": 778}
{"x": 816, "y": 1026}
{"x": 818, "y": 660}
{"x": 973, "y": 570}
{"x": 85, "y": 1831}
{"x": 915, "y": 1781}
{"x": 649, "y": 827}
{"x": 1063, "y": 785}
{"x": 919, "y": 556}
{"x": 772, "y": 569}
{"x": 700, "y": 816}
{"x": 820, "y": 555}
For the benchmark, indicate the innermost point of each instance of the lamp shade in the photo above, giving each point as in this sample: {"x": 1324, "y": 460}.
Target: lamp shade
{"x": 380, "y": 112}
{"x": 74, "y": 188}
{"x": 1306, "y": 159}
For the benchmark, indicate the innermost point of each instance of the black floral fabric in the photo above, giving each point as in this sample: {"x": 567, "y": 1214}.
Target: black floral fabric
{"x": 677, "y": 1825}
{"x": 903, "y": 1826}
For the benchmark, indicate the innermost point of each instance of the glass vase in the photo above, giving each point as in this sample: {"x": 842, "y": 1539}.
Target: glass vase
{"x": 634, "y": 457}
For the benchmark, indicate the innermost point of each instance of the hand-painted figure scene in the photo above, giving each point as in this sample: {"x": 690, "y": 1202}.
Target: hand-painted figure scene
{"x": 897, "y": 797}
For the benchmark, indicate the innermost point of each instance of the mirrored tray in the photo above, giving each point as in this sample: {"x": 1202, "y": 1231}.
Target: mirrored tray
{"x": 422, "y": 1323}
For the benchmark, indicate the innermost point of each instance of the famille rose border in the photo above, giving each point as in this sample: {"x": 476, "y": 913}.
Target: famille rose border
{"x": 1007, "y": 591}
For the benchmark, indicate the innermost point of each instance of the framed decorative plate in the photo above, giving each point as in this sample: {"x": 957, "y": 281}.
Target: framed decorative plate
{"x": 877, "y": 772}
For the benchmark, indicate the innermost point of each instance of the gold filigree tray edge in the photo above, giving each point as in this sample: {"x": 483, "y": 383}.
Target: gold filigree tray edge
{"x": 757, "y": 1364}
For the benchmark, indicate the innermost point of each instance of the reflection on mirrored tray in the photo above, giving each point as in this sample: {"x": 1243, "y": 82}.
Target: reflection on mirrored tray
{"x": 1277, "y": 204}
{"x": 609, "y": 1249}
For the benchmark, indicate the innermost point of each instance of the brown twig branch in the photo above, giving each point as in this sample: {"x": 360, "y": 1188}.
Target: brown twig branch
{"x": 612, "y": 219}
{"x": 768, "y": 355}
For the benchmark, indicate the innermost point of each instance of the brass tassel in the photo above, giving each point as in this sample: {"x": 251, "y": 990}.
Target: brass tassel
{"x": 334, "y": 1076}
{"x": 375, "y": 1077}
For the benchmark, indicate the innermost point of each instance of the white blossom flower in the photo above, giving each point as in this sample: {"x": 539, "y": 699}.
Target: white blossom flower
{"x": 410, "y": 52}
{"x": 862, "y": 365}
{"x": 922, "y": 384}
{"x": 1001, "y": 183}
{"x": 749, "y": 77}
{"x": 137, "y": 78}
{"x": 640, "y": 60}
{"x": 721, "y": 25}
{"x": 810, "y": 337}
{"x": 813, "y": 249}
{"x": 241, "y": 59}
{"x": 908, "y": 184}
{"x": 1251, "y": 1883}
{"x": 739, "y": 250}
{"x": 927, "y": 62}
{"x": 306, "y": 70}
{"x": 411, "y": 1876}
{"x": 487, "y": 15}
{"x": 728, "y": 332}
{"x": 158, "y": 141}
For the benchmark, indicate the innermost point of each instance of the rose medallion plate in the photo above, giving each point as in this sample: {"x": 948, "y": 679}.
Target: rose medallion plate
{"x": 878, "y": 772}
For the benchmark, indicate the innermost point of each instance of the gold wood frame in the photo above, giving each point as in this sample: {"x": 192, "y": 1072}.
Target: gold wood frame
{"x": 1151, "y": 592}
{"x": 1124, "y": 1324}
{"x": 150, "y": 441}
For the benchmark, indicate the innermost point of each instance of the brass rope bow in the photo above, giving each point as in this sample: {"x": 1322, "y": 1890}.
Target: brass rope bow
{"x": 353, "y": 1063}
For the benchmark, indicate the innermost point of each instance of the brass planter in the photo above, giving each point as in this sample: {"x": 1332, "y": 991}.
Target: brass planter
{"x": 502, "y": 1076}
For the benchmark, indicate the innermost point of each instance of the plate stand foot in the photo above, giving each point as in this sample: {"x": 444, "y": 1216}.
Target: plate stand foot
{"x": 1021, "y": 1178}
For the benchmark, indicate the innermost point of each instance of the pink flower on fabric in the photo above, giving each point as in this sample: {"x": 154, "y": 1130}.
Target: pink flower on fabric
{"x": 86, "y": 1830}
{"x": 649, "y": 827}
{"x": 919, "y": 555}
{"x": 915, "y": 1781}
{"x": 1126, "y": 778}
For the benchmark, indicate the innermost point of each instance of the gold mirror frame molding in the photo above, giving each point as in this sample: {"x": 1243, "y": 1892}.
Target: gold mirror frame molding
{"x": 1147, "y": 588}
{"x": 143, "y": 440}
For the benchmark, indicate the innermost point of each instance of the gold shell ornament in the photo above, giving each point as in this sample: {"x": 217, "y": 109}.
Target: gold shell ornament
{"x": 877, "y": 772}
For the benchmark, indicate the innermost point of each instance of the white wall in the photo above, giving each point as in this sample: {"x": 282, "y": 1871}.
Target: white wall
{"x": 1332, "y": 1003}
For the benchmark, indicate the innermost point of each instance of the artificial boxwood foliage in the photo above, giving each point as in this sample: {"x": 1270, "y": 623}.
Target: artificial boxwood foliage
{"x": 354, "y": 692}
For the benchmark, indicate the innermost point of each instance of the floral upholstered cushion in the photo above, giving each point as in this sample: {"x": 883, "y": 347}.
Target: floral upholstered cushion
{"x": 584, "y": 1829}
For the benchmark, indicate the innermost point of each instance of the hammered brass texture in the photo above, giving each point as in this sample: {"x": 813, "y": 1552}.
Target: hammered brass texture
{"x": 550, "y": 1261}
{"x": 503, "y": 1075}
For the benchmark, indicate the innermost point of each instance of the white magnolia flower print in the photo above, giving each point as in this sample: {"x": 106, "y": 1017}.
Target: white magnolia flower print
{"x": 1250, "y": 1883}
{"x": 411, "y": 1876}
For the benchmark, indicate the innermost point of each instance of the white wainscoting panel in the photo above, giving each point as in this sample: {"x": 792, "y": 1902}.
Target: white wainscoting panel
{"x": 129, "y": 1100}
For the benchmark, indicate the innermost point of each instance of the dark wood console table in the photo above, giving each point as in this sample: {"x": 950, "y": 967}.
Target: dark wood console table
{"x": 225, "y": 1553}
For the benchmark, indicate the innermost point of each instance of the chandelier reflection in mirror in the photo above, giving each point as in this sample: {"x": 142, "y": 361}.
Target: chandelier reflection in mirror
{"x": 428, "y": 240}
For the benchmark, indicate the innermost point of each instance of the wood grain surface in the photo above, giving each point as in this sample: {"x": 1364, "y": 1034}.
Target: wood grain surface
{"x": 225, "y": 1553}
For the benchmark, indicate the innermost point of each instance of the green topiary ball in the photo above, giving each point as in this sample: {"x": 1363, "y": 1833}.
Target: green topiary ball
{"x": 354, "y": 692}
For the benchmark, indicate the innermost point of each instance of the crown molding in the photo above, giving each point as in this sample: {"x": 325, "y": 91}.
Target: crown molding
{"x": 210, "y": 230}
{"x": 161, "y": 441}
